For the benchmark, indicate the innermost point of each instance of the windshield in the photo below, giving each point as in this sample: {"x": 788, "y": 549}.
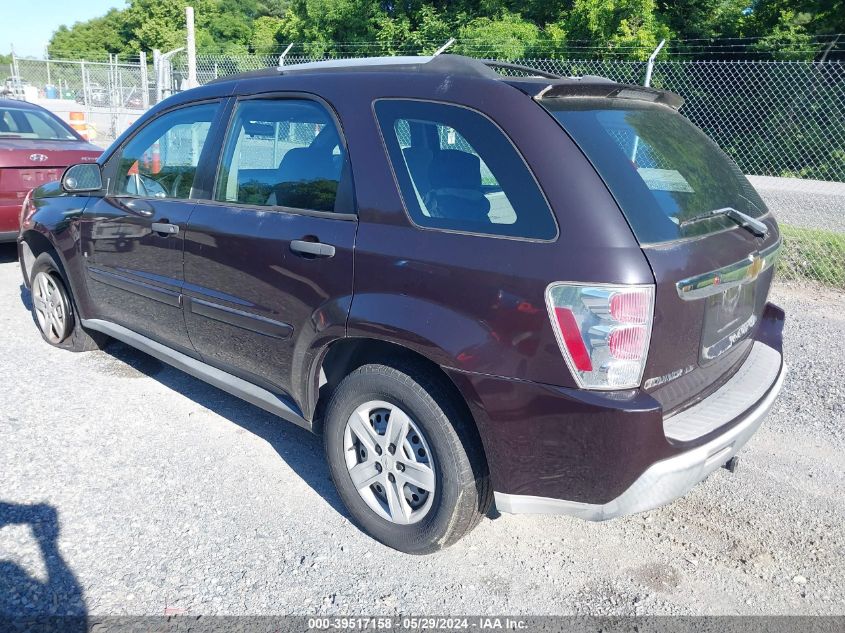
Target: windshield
{"x": 32, "y": 124}
{"x": 666, "y": 174}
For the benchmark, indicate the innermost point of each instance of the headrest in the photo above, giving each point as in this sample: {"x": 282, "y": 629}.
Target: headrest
{"x": 455, "y": 169}
{"x": 305, "y": 163}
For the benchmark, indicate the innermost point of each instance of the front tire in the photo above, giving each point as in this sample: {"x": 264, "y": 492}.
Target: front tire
{"x": 404, "y": 458}
{"x": 54, "y": 311}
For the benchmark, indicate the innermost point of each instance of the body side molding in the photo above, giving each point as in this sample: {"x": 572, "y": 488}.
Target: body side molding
{"x": 238, "y": 318}
{"x": 243, "y": 389}
{"x": 156, "y": 293}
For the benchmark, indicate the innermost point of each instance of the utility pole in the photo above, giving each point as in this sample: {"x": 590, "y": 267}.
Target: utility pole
{"x": 192, "y": 47}
{"x": 47, "y": 60}
{"x": 16, "y": 75}
{"x": 145, "y": 82}
{"x": 157, "y": 72}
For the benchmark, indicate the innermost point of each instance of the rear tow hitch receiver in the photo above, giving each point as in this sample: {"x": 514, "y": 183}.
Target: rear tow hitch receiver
{"x": 732, "y": 464}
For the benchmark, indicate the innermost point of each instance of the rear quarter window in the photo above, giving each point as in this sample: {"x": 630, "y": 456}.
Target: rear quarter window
{"x": 457, "y": 171}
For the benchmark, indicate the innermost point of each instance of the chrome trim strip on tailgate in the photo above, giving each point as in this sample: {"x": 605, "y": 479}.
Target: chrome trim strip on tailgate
{"x": 736, "y": 274}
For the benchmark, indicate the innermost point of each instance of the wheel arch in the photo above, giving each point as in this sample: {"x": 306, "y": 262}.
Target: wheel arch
{"x": 346, "y": 355}
{"x": 33, "y": 244}
{"x": 63, "y": 244}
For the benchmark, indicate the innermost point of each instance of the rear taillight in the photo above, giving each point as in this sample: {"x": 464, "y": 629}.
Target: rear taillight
{"x": 27, "y": 209}
{"x": 603, "y": 332}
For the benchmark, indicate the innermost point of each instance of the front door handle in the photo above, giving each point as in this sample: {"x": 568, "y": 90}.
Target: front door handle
{"x": 164, "y": 228}
{"x": 315, "y": 249}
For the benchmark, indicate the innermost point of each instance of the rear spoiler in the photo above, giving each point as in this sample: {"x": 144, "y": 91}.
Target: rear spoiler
{"x": 597, "y": 87}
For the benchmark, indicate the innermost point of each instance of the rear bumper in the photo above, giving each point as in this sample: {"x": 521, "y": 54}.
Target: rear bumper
{"x": 666, "y": 480}
{"x": 599, "y": 455}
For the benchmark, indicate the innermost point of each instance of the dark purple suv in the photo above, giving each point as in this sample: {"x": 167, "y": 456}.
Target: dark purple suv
{"x": 480, "y": 286}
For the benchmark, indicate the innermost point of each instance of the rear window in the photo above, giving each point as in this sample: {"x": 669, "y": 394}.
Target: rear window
{"x": 457, "y": 171}
{"x": 32, "y": 124}
{"x": 665, "y": 173}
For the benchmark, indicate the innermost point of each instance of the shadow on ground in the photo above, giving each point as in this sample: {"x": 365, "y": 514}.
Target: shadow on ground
{"x": 8, "y": 253}
{"x": 24, "y": 599}
{"x": 301, "y": 450}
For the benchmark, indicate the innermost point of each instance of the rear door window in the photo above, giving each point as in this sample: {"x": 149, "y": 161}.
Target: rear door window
{"x": 282, "y": 152}
{"x": 458, "y": 171}
{"x": 666, "y": 174}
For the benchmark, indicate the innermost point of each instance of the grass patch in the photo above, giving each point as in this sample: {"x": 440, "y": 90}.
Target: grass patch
{"x": 813, "y": 254}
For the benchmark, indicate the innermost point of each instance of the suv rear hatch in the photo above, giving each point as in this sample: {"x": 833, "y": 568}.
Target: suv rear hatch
{"x": 706, "y": 233}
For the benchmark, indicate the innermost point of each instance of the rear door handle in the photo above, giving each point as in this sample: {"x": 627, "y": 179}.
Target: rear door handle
{"x": 315, "y": 249}
{"x": 164, "y": 228}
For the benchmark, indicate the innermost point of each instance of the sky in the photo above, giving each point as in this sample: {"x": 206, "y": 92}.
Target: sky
{"x": 28, "y": 24}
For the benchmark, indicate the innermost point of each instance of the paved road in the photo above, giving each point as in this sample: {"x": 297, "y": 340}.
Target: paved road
{"x": 131, "y": 488}
{"x": 813, "y": 204}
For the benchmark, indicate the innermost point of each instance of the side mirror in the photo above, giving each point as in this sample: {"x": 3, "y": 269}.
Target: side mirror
{"x": 82, "y": 178}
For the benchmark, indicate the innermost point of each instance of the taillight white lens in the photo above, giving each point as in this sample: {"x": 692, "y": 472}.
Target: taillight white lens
{"x": 603, "y": 331}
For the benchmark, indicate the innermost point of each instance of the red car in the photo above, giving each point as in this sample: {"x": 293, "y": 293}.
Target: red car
{"x": 35, "y": 147}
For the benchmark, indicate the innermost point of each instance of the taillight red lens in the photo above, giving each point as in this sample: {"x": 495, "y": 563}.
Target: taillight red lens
{"x": 571, "y": 334}
{"x": 630, "y": 307}
{"x": 627, "y": 343}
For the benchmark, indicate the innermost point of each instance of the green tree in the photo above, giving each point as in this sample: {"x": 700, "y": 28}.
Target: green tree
{"x": 816, "y": 16}
{"x": 696, "y": 19}
{"x": 93, "y": 39}
{"x": 788, "y": 38}
{"x": 506, "y": 36}
{"x": 266, "y": 31}
{"x": 504, "y": 28}
{"x": 631, "y": 27}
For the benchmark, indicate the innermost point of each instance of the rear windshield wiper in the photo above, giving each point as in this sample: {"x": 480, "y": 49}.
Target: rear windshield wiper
{"x": 745, "y": 221}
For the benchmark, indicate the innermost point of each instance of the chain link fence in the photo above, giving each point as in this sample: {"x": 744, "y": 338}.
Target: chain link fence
{"x": 105, "y": 97}
{"x": 783, "y": 122}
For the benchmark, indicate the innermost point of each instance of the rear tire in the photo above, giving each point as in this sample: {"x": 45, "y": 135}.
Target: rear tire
{"x": 54, "y": 310}
{"x": 420, "y": 478}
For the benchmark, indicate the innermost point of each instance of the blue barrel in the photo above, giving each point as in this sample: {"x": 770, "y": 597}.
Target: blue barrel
{"x": 51, "y": 92}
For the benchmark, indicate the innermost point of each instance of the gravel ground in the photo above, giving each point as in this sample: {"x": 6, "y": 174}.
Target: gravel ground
{"x": 131, "y": 488}
{"x": 813, "y": 204}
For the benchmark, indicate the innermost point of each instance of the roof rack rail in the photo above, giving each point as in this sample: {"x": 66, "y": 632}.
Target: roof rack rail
{"x": 494, "y": 63}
